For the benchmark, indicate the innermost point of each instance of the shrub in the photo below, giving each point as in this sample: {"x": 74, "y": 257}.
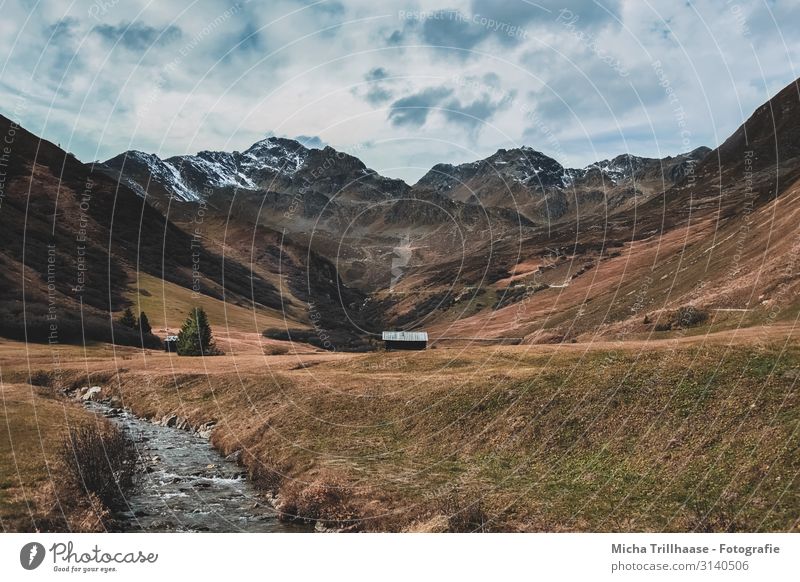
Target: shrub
{"x": 464, "y": 517}
{"x": 707, "y": 516}
{"x": 326, "y": 502}
{"x": 332, "y": 340}
{"x": 100, "y": 461}
{"x": 273, "y": 350}
{"x": 689, "y": 316}
{"x": 265, "y": 476}
{"x": 32, "y": 324}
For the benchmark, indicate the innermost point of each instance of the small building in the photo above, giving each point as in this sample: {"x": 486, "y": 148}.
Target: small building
{"x": 171, "y": 343}
{"x": 405, "y": 340}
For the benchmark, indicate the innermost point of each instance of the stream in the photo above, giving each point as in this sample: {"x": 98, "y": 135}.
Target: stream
{"x": 187, "y": 485}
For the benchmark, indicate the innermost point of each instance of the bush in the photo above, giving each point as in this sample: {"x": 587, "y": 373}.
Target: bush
{"x": 100, "y": 461}
{"x": 267, "y": 475}
{"x": 464, "y": 517}
{"x": 326, "y": 500}
{"x": 32, "y": 324}
{"x": 273, "y": 350}
{"x": 331, "y": 340}
{"x": 689, "y": 316}
{"x": 683, "y": 317}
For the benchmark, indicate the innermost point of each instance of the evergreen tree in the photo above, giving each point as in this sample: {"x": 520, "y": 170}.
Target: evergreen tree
{"x": 144, "y": 324}
{"x": 195, "y": 338}
{"x": 128, "y": 319}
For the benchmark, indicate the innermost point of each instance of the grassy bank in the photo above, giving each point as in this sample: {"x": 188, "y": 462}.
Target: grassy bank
{"x": 44, "y": 484}
{"x": 34, "y": 424}
{"x": 695, "y": 438}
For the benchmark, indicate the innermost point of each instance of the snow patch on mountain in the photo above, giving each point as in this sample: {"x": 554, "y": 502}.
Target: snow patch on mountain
{"x": 150, "y": 168}
{"x": 280, "y": 155}
{"x": 214, "y": 169}
{"x": 189, "y": 178}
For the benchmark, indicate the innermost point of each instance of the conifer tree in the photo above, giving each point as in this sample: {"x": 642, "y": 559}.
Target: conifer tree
{"x": 195, "y": 337}
{"x": 144, "y": 324}
{"x": 128, "y": 319}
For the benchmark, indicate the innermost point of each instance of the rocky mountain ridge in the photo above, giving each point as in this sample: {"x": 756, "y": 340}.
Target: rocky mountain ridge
{"x": 283, "y": 164}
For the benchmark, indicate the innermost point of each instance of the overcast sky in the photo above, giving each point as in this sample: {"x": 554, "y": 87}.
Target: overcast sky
{"x": 402, "y": 85}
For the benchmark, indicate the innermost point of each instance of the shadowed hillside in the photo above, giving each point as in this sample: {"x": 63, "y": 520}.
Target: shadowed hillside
{"x": 74, "y": 240}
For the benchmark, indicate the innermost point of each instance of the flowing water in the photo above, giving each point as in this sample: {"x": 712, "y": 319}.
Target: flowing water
{"x": 189, "y": 486}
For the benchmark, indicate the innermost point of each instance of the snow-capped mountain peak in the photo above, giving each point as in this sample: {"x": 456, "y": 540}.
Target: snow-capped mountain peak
{"x": 190, "y": 178}
{"x": 278, "y": 154}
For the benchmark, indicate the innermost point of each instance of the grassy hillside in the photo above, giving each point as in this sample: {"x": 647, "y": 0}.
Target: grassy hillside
{"x": 572, "y": 439}
{"x": 167, "y": 306}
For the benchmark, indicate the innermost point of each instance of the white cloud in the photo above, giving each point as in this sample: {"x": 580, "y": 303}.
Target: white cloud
{"x": 169, "y": 79}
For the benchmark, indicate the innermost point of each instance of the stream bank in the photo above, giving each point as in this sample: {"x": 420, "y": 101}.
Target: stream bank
{"x": 187, "y": 485}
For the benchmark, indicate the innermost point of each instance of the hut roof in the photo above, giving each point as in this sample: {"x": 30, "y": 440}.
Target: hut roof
{"x": 405, "y": 336}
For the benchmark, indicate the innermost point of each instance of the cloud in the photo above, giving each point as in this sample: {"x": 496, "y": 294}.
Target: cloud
{"x": 376, "y": 74}
{"x": 377, "y": 91}
{"x": 413, "y": 110}
{"x": 157, "y": 77}
{"x": 62, "y": 29}
{"x": 378, "y": 95}
{"x": 475, "y": 114}
{"x": 584, "y": 13}
{"x": 597, "y": 91}
{"x": 451, "y": 29}
{"x": 59, "y": 57}
{"x": 138, "y": 36}
{"x": 500, "y": 21}
{"x": 329, "y": 8}
{"x": 478, "y": 99}
{"x": 246, "y": 40}
{"x": 491, "y": 78}
{"x": 453, "y": 33}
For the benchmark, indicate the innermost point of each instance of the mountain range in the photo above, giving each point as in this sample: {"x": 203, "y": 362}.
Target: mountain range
{"x": 517, "y": 178}
{"x": 295, "y": 240}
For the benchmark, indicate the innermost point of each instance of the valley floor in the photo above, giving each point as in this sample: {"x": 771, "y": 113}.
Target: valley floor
{"x": 692, "y": 433}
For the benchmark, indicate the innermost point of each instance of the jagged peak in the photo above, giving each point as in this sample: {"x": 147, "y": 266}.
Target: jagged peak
{"x": 274, "y": 142}
{"x": 136, "y": 154}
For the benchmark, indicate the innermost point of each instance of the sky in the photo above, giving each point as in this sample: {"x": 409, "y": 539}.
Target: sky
{"x": 401, "y": 85}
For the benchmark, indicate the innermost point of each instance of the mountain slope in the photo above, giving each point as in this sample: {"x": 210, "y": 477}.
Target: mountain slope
{"x": 722, "y": 238}
{"x": 544, "y": 191}
{"x": 74, "y": 239}
{"x": 515, "y": 245}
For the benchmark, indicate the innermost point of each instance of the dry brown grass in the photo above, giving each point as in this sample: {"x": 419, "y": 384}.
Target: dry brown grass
{"x": 101, "y": 460}
{"x": 236, "y": 327}
{"x": 721, "y": 259}
{"x": 674, "y": 436}
{"x": 34, "y": 493}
